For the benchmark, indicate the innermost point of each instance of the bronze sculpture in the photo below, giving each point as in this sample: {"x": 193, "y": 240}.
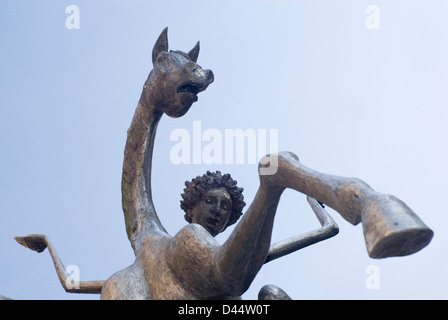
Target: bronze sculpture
{"x": 191, "y": 264}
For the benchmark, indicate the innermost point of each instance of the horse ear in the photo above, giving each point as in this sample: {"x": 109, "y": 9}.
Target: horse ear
{"x": 194, "y": 53}
{"x": 160, "y": 45}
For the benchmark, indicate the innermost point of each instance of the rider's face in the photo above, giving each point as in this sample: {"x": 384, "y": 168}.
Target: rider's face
{"x": 213, "y": 210}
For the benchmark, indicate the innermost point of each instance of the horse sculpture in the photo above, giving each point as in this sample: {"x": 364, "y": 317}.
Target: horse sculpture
{"x": 192, "y": 264}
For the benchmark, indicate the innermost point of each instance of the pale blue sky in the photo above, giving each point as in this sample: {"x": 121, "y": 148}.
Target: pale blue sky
{"x": 347, "y": 100}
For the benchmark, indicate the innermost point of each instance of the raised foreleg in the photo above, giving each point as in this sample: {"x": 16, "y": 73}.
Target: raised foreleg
{"x": 390, "y": 227}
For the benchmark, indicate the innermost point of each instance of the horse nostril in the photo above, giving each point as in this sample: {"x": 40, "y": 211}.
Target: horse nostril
{"x": 210, "y": 76}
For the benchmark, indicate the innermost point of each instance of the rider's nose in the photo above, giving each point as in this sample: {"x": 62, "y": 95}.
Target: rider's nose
{"x": 216, "y": 212}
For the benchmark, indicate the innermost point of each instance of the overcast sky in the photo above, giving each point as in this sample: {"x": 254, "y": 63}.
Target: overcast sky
{"x": 352, "y": 89}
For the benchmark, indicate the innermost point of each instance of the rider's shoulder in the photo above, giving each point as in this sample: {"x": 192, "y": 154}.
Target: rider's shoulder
{"x": 195, "y": 233}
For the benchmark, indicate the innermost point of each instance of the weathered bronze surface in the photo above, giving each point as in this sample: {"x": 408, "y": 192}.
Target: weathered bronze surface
{"x": 192, "y": 264}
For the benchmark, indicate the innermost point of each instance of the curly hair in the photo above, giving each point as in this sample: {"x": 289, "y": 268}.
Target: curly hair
{"x": 197, "y": 186}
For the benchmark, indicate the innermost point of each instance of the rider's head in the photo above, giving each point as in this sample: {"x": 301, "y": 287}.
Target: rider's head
{"x": 213, "y": 201}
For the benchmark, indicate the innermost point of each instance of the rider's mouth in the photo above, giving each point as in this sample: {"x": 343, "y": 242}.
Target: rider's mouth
{"x": 213, "y": 222}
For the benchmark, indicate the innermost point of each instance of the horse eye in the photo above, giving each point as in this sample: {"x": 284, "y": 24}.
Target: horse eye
{"x": 190, "y": 66}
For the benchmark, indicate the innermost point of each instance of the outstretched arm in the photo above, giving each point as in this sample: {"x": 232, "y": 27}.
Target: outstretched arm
{"x": 329, "y": 229}
{"x": 38, "y": 243}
